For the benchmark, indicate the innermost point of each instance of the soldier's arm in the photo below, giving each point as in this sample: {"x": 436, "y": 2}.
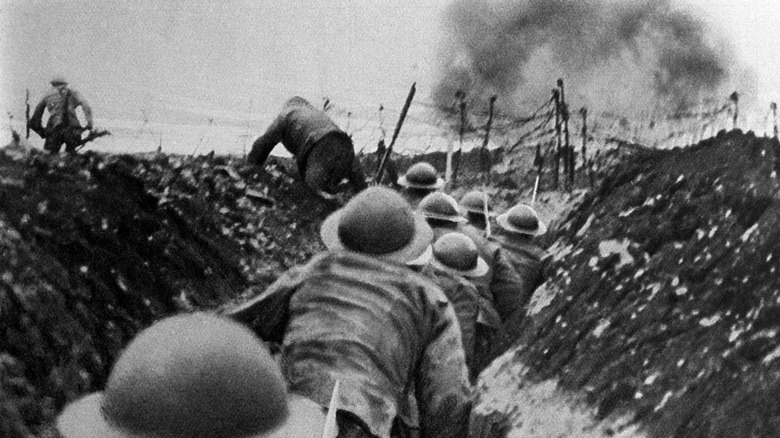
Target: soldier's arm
{"x": 80, "y": 101}
{"x": 357, "y": 176}
{"x": 35, "y": 120}
{"x": 264, "y": 144}
{"x": 442, "y": 385}
{"x": 267, "y": 313}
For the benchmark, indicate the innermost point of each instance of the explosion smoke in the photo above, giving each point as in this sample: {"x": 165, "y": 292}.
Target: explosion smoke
{"x": 625, "y": 56}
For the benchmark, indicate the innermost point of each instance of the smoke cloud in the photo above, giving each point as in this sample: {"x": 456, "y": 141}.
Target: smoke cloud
{"x": 624, "y": 56}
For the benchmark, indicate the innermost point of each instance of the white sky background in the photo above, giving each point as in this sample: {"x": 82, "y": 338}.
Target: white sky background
{"x": 189, "y": 60}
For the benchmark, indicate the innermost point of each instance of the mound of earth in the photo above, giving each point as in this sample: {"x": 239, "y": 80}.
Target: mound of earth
{"x": 95, "y": 248}
{"x": 661, "y": 309}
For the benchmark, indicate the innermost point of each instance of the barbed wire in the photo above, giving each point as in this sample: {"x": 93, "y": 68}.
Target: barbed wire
{"x": 522, "y": 138}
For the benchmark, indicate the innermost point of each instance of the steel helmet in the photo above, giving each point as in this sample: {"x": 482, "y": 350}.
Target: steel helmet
{"x": 421, "y": 175}
{"x": 192, "y": 375}
{"x": 522, "y": 219}
{"x": 378, "y": 222}
{"x": 474, "y": 202}
{"x": 441, "y": 206}
{"x": 457, "y": 253}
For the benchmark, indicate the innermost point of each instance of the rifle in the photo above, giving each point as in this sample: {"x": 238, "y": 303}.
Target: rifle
{"x": 93, "y": 134}
{"x": 486, "y": 212}
{"x": 536, "y": 187}
{"x": 331, "y": 429}
{"x": 27, "y": 111}
{"x": 380, "y": 170}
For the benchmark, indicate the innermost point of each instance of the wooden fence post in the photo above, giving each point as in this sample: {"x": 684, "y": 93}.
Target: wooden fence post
{"x": 486, "y": 160}
{"x": 557, "y": 155}
{"x": 462, "y": 96}
{"x": 584, "y": 133}
{"x": 735, "y": 98}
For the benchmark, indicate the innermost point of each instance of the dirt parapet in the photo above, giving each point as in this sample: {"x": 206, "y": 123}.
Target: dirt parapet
{"x": 95, "y": 248}
{"x": 661, "y": 304}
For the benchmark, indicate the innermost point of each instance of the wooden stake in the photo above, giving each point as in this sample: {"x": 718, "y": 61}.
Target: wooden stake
{"x": 27, "y": 112}
{"x": 486, "y": 162}
{"x": 735, "y": 98}
{"x": 462, "y": 97}
{"x": 557, "y": 155}
{"x": 401, "y": 118}
{"x": 584, "y": 113}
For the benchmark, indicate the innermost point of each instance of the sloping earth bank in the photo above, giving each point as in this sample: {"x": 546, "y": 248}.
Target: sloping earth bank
{"x": 94, "y": 248}
{"x": 661, "y": 310}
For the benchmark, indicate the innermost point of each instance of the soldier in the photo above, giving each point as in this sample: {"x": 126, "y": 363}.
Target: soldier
{"x": 63, "y": 125}
{"x": 323, "y": 152}
{"x": 501, "y": 284}
{"x": 357, "y": 315}
{"x": 518, "y": 227}
{"x": 442, "y": 213}
{"x": 193, "y": 375}
{"x": 474, "y": 204}
{"x": 420, "y": 180}
{"x": 455, "y": 261}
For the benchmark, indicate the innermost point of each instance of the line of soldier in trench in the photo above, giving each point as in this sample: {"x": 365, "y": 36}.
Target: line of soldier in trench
{"x": 382, "y": 335}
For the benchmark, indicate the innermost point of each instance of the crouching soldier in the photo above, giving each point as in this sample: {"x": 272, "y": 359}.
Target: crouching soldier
{"x": 323, "y": 152}
{"x": 357, "y": 315}
{"x": 194, "y": 375}
{"x": 455, "y": 261}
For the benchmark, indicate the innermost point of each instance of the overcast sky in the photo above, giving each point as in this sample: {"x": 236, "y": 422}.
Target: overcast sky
{"x": 187, "y": 60}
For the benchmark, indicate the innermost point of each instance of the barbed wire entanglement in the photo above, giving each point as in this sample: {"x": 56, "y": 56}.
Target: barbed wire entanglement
{"x": 559, "y": 144}
{"x": 554, "y": 140}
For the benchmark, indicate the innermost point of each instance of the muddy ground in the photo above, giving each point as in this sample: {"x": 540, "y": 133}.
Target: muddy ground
{"x": 96, "y": 247}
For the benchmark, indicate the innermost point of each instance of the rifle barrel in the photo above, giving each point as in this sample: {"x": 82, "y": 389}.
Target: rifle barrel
{"x": 27, "y": 112}
{"x": 398, "y": 125}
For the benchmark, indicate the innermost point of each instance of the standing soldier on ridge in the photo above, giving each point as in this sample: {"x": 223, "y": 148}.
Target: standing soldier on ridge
{"x": 359, "y": 316}
{"x": 63, "y": 125}
{"x": 323, "y": 152}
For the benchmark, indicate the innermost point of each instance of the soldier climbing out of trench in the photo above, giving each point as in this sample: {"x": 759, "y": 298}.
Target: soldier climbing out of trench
{"x": 358, "y": 315}
{"x": 324, "y": 154}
